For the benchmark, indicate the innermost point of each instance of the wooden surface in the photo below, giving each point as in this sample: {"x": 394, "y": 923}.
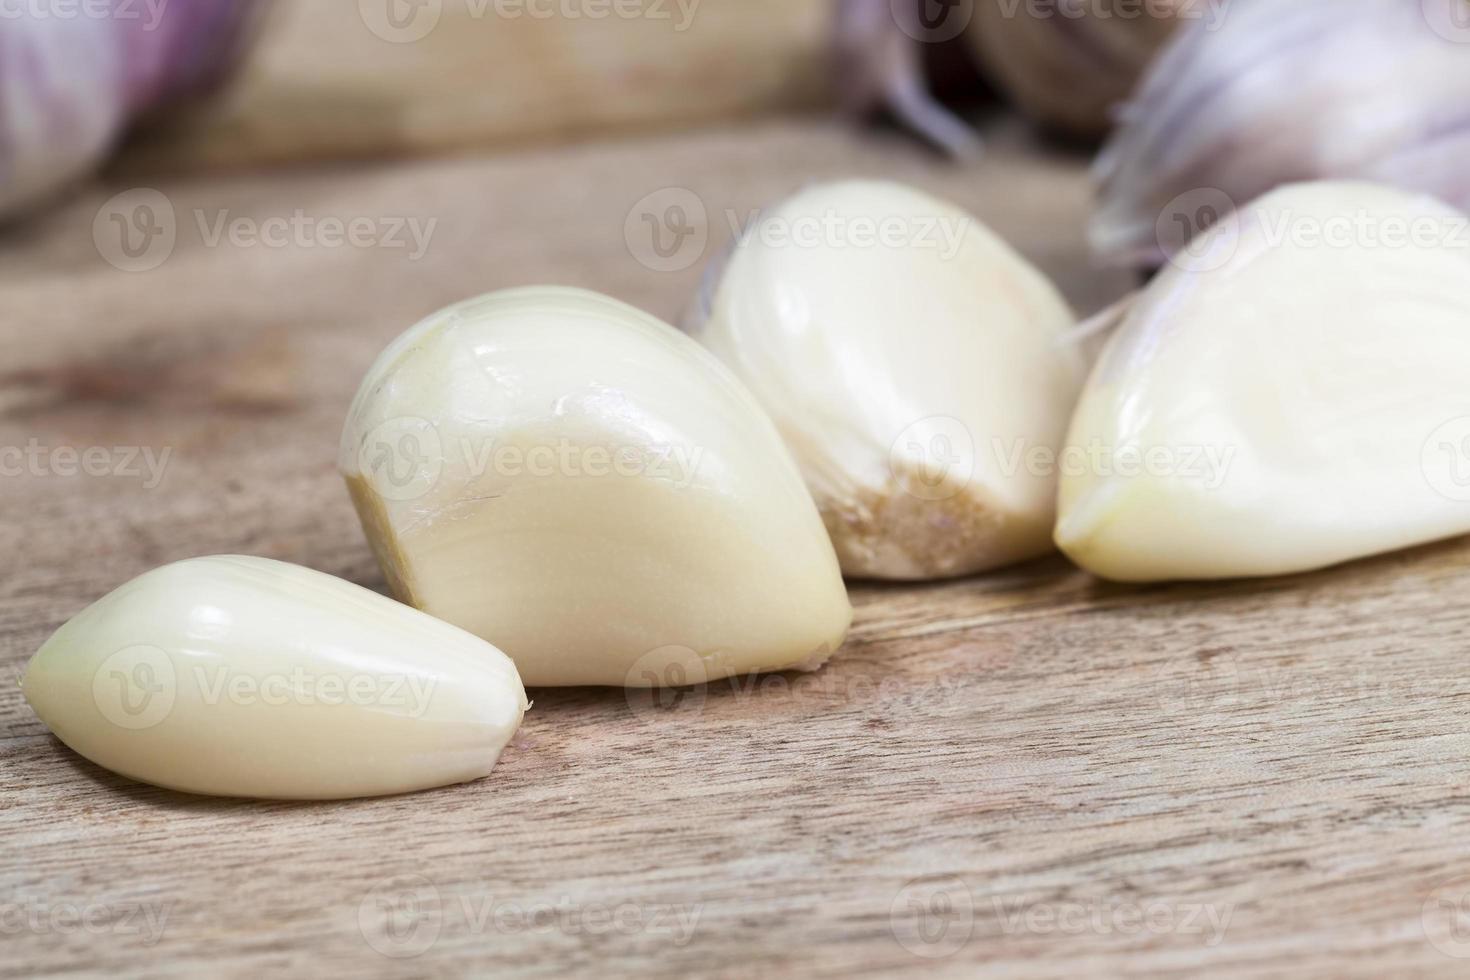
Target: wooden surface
{"x": 338, "y": 79}
{"x": 1064, "y": 778}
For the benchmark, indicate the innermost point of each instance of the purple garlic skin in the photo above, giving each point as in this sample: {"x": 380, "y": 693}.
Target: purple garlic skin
{"x": 880, "y": 65}
{"x": 71, "y": 86}
{"x": 1069, "y": 63}
{"x": 1277, "y": 93}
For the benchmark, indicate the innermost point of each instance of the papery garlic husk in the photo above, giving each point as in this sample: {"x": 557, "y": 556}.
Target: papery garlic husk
{"x": 913, "y": 362}
{"x": 1281, "y": 92}
{"x": 234, "y": 676}
{"x": 1069, "y": 64}
{"x": 1293, "y": 392}
{"x": 879, "y": 62}
{"x": 583, "y": 485}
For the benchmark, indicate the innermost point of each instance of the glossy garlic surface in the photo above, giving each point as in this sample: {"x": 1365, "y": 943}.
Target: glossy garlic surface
{"x": 1293, "y": 392}
{"x": 235, "y": 676}
{"x": 913, "y": 362}
{"x": 585, "y": 486}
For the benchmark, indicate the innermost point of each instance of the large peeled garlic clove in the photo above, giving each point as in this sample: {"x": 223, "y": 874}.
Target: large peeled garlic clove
{"x": 1294, "y": 392}
{"x": 1272, "y": 93}
{"x": 246, "y": 677}
{"x": 582, "y": 484}
{"x": 914, "y": 363}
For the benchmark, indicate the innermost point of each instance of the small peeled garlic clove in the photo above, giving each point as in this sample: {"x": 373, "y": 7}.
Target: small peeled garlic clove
{"x": 570, "y": 477}
{"x": 1273, "y": 93}
{"x": 1069, "y": 64}
{"x": 234, "y": 676}
{"x": 914, "y": 363}
{"x": 1292, "y": 393}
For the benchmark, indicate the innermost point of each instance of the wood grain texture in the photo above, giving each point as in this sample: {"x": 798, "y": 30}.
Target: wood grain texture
{"x": 1063, "y": 777}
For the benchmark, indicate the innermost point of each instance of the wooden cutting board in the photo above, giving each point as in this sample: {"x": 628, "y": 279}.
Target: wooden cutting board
{"x": 1030, "y": 773}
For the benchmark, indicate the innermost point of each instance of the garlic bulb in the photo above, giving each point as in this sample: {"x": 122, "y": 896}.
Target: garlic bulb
{"x": 236, "y": 676}
{"x": 1277, "y": 93}
{"x": 915, "y": 365}
{"x": 70, "y": 85}
{"x": 57, "y": 113}
{"x": 880, "y": 65}
{"x": 1070, "y": 63}
{"x": 1294, "y": 392}
{"x": 579, "y": 483}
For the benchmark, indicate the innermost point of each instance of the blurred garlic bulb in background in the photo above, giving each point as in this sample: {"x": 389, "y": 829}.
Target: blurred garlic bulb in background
{"x": 1291, "y": 392}
{"x": 880, "y": 64}
{"x": 58, "y": 110}
{"x": 71, "y": 85}
{"x": 1278, "y": 92}
{"x": 914, "y": 364}
{"x": 1066, "y": 63}
{"x": 1069, "y": 63}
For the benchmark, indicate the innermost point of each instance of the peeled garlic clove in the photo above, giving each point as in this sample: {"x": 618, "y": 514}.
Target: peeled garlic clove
{"x": 236, "y": 676}
{"x": 1263, "y": 98}
{"x": 1294, "y": 392}
{"x": 581, "y": 483}
{"x": 914, "y": 363}
{"x": 1070, "y": 63}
